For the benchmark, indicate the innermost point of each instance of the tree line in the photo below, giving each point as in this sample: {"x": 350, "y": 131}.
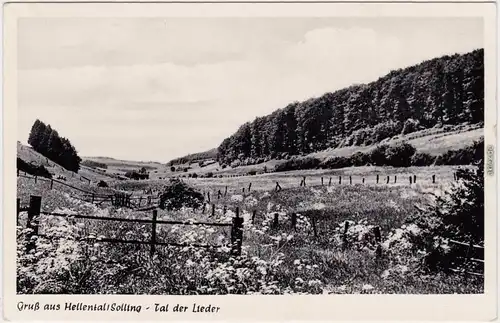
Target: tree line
{"x": 47, "y": 142}
{"x": 448, "y": 90}
{"x": 397, "y": 155}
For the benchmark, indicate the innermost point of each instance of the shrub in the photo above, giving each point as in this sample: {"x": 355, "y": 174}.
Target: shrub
{"x": 135, "y": 175}
{"x": 359, "y": 159}
{"x": 464, "y": 156}
{"x": 252, "y": 172}
{"x": 172, "y": 169}
{"x": 102, "y": 184}
{"x": 459, "y": 215}
{"x": 194, "y": 175}
{"x": 335, "y": 162}
{"x": 32, "y": 169}
{"x": 178, "y": 194}
{"x": 399, "y": 155}
{"x": 298, "y": 164}
{"x": 223, "y": 166}
{"x": 210, "y": 175}
{"x": 377, "y": 155}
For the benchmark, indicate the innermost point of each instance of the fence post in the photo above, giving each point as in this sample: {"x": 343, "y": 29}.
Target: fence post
{"x": 313, "y": 218}
{"x": 304, "y": 181}
{"x": 378, "y": 238}
{"x": 18, "y": 209}
{"x": 219, "y": 194}
{"x": 344, "y": 235}
{"x": 249, "y": 187}
{"x": 294, "y": 220}
{"x": 278, "y": 187}
{"x": 363, "y": 180}
{"x": 340, "y": 180}
{"x": 350, "y": 179}
{"x": 51, "y": 183}
{"x": 224, "y": 210}
{"x": 237, "y": 234}
{"x": 32, "y": 223}
{"x": 204, "y": 206}
{"x": 225, "y": 192}
{"x": 153, "y": 232}
{"x": 387, "y": 179}
{"x": 254, "y": 213}
{"x": 395, "y": 179}
{"x": 414, "y": 179}
{"x": 321, "y": 181}
{"x": 243, "y": 190}
{"x": 410, "y": 180}
{"x": 208, "y": 197}
{"x": 330, "y": 182}
{"x": 275, "y": 223}
{"x": 433, "y": 179}
{"x": 213, "y": 209}
{"x": 35, "y": 178}
{"x": 377, "y": 179}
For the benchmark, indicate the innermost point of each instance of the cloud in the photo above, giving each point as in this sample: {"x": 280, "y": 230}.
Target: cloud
{"x": 144, "y": 93}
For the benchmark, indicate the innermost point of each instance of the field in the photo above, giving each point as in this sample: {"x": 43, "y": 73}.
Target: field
{"x": 315, "y": 257}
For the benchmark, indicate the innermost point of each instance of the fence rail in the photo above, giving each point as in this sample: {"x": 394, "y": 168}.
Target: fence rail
{"x": 34, "y": 211}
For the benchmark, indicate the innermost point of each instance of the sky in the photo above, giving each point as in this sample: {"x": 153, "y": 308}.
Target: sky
{"x": 154, "y": 89}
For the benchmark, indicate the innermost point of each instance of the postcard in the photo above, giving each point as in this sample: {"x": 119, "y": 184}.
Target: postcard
{"x": 249, "y": 161}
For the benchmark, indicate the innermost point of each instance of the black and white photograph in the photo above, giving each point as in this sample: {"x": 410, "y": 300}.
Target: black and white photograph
{"x": 329, "y": 155}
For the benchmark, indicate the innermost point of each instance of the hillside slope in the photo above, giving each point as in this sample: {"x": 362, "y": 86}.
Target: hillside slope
{"x": 448, "y": 90}
{"x": 28, "y": 154}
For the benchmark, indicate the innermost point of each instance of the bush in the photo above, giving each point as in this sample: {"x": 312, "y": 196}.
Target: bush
{"x": 399, "y": 155}
{"x": 102, "y": 184}
{"x": 377, "y": 155}
{"x": 335, "y": 162}
{"x": 359, "y": 159}
{"x": 223, "y": 166}
{"x": 459, "y": 215}
{"x": 32, "y": 169}
{"x": 194, "y": 175}
{"x": 135, "y": 175}
{"x": 464, "y": 156}
{"x": 298, "y": 164}
{"x": 172, "y": 169}
{"x": 210, "y": 175}
{"x": 422, "y": 159}
{"x": 252, "y": 172}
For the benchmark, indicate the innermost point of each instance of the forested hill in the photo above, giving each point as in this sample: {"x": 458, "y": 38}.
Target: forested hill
{"x": 444, "y": 90}
{"x": 191, "y": 158}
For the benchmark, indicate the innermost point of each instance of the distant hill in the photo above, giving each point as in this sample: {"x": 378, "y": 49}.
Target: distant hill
{"x": 125, "y": 164}
{"x": 192, "y": 158}
{"x": 445, "y": 91}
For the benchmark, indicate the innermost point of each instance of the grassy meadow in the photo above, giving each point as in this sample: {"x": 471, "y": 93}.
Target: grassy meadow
{"x": 275, "y": 259}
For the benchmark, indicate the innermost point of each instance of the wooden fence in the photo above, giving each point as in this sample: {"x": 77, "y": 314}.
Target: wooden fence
{"x": 116, "y": 199}
{"x": 473, "y": 254}
{"x": 34, "y": 212}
